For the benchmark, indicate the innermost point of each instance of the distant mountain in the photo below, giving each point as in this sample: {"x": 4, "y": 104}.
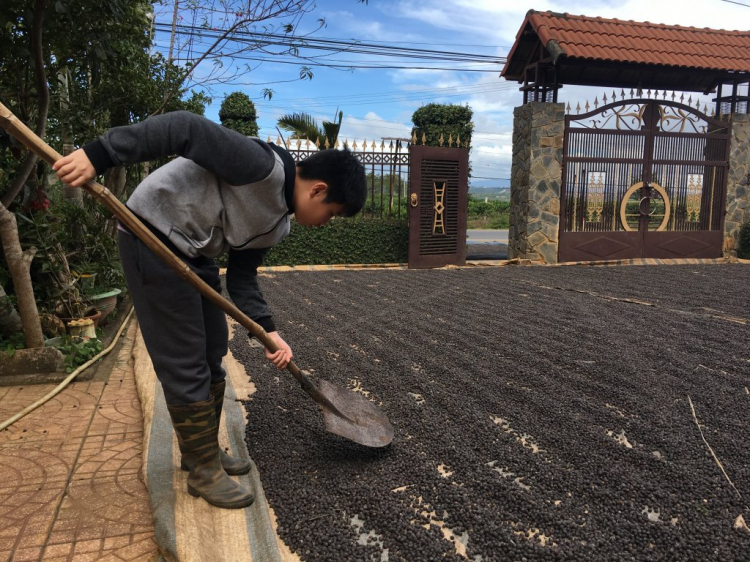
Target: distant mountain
{"x": 491, "y": 193}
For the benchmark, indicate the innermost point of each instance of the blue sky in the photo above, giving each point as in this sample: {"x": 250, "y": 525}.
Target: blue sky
{"x": 380, "y": 102}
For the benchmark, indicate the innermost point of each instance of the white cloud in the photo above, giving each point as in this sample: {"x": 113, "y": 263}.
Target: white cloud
{"x": 461, "y": 25}
{"x": 372, "y": 127}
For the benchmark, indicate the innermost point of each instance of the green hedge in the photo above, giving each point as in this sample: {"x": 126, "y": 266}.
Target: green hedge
{"x": 744, "y": 250}
{"x": 343, "y": 241}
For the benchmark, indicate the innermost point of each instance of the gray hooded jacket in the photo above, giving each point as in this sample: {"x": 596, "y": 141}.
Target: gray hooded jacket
{"x": 225, "y": 192}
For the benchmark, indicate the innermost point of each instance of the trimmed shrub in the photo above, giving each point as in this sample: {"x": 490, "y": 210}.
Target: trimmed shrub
{"x": 343, "y": 241}
{"x": 238, "y": 113}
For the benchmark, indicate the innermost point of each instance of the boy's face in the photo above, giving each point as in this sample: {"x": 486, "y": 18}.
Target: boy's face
{"x": 310, "y": 208}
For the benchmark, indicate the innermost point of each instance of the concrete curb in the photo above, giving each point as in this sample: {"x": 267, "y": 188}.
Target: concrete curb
{"x": 270, "y": 270}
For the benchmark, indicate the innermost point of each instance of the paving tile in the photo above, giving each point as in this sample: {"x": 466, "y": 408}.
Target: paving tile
{"x": 87, "y": 557}
{"x": 110, "y": 558}
{"x": 27, "y": 554}
{"x": 137, "y": 549}
{"x": 88, "y": 546}
{"x": 70, "y": 485}
{"x": 32, "y": 539}
{"x": 115, "y": 542}
{"x": 61, "y": 537}
{"x": 56, "y": 550}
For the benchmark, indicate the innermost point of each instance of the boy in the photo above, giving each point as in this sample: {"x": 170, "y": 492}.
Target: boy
{"x": 226, "y": 192}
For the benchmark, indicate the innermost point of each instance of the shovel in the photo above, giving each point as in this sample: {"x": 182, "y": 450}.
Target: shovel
{"x": 345, "y": 413}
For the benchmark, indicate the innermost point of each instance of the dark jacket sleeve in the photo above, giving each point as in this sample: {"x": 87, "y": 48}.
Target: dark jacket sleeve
{"x": 233, "y": 157}
{"x": 243, "y": 288}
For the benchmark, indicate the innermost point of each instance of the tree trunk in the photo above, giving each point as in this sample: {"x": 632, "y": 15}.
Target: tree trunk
{"x": 19, "y": 263}
{"x": 72, "y": 194}
{"x": 115, "y": 180}
{"x": 43, "y": 95}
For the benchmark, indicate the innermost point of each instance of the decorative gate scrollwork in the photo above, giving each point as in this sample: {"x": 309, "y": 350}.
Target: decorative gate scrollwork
{"x": 438, "y": 223}
{"x": 643, "y": 178}
{"x": 645, "y": 194}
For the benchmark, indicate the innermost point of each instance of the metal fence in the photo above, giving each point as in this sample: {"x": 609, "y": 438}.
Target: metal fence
{"x": 386, "y": 168}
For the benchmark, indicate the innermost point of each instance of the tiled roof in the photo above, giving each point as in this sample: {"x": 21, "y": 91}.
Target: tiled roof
{"x": 620, "y": 41}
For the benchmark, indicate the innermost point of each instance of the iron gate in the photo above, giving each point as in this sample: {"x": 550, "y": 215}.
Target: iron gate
{"x": 438, "y": 192}
{"x": 643, "y": 178}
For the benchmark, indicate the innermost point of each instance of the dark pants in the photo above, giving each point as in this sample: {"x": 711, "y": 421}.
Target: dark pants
{"x": 186, "y": 335}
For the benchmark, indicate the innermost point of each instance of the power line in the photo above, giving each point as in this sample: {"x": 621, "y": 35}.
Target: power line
{"x": 384, "y": 100}
{"x": 374, "y": 41}
{"x": 738, "y": 3}
{"x": 332, "y": 45}
{"x": 470, "y": 88}
{"x": 352, "y": 66}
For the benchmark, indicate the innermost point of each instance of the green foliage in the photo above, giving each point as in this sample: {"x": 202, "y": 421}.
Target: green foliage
{"x": 744, "y": 249}
{"x": 196, "y": 103}
{"x": 343, "y": 240}
{"x": 383, "y": 196}
{"x": 492, "y": 214}
{"x": 70, "y": 242}
{"x": 78, "y": 351}
{"x": 238, "y": 113}
{"x": 10, "y": 344}
{"x": 304, "y": 126}
{"x": 435, "y": 119}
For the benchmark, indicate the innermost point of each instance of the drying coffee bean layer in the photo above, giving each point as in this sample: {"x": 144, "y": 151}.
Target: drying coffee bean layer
{"x": 540, "y": 414}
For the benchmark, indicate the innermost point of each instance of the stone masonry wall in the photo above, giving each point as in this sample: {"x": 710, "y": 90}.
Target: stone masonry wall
{"x": 536, "y": 178}
{"x": 738, "y": 191}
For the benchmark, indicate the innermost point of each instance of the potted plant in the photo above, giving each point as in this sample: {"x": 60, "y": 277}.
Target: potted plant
{"x": 105, "y": 303}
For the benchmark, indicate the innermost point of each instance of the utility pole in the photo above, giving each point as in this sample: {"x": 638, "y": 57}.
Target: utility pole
{"x": 174, "y": 28}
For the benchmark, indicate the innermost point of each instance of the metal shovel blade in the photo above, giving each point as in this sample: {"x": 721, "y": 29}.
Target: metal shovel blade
{"x": 362, "y": 421}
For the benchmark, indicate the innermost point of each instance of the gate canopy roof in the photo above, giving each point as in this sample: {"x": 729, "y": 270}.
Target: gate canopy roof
{"x": 610, "y": 52}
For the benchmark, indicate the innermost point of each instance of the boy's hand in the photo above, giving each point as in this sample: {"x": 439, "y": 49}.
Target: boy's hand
{"x": 281, "y": 357}
{"x": 75, "y": 169}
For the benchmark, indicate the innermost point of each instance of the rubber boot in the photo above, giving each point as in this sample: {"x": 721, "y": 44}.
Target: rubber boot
{"x": 197, "y": 433}
{"x": 232, "y": 465}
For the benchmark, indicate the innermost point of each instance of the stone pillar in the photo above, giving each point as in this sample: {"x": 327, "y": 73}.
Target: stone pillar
{"x": 738, "y": 191}
{"x": 536, "y": 179}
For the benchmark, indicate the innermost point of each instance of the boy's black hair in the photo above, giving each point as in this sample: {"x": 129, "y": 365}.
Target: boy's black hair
{"x": 344, "y": 174}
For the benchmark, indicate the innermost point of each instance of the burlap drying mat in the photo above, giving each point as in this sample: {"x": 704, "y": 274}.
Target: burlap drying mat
{"x": 189, "y": 529}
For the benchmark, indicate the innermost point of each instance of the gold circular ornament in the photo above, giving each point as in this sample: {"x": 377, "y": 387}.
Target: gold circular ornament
{"x": 629, "y": 193}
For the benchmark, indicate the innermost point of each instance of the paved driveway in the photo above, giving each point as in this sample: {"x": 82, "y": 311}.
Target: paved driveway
{"x": 487, "y": 236}
{"x": 540, "y": 412}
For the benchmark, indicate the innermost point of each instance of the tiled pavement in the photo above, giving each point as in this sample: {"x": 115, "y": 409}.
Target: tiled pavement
{"x": 70, "y": 483}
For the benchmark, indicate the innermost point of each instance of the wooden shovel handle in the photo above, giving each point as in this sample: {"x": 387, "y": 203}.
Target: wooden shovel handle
{"x": 28, "y": 138}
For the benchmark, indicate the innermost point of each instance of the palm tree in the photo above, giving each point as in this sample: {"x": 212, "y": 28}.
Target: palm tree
{"x": 303, "y": 126}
